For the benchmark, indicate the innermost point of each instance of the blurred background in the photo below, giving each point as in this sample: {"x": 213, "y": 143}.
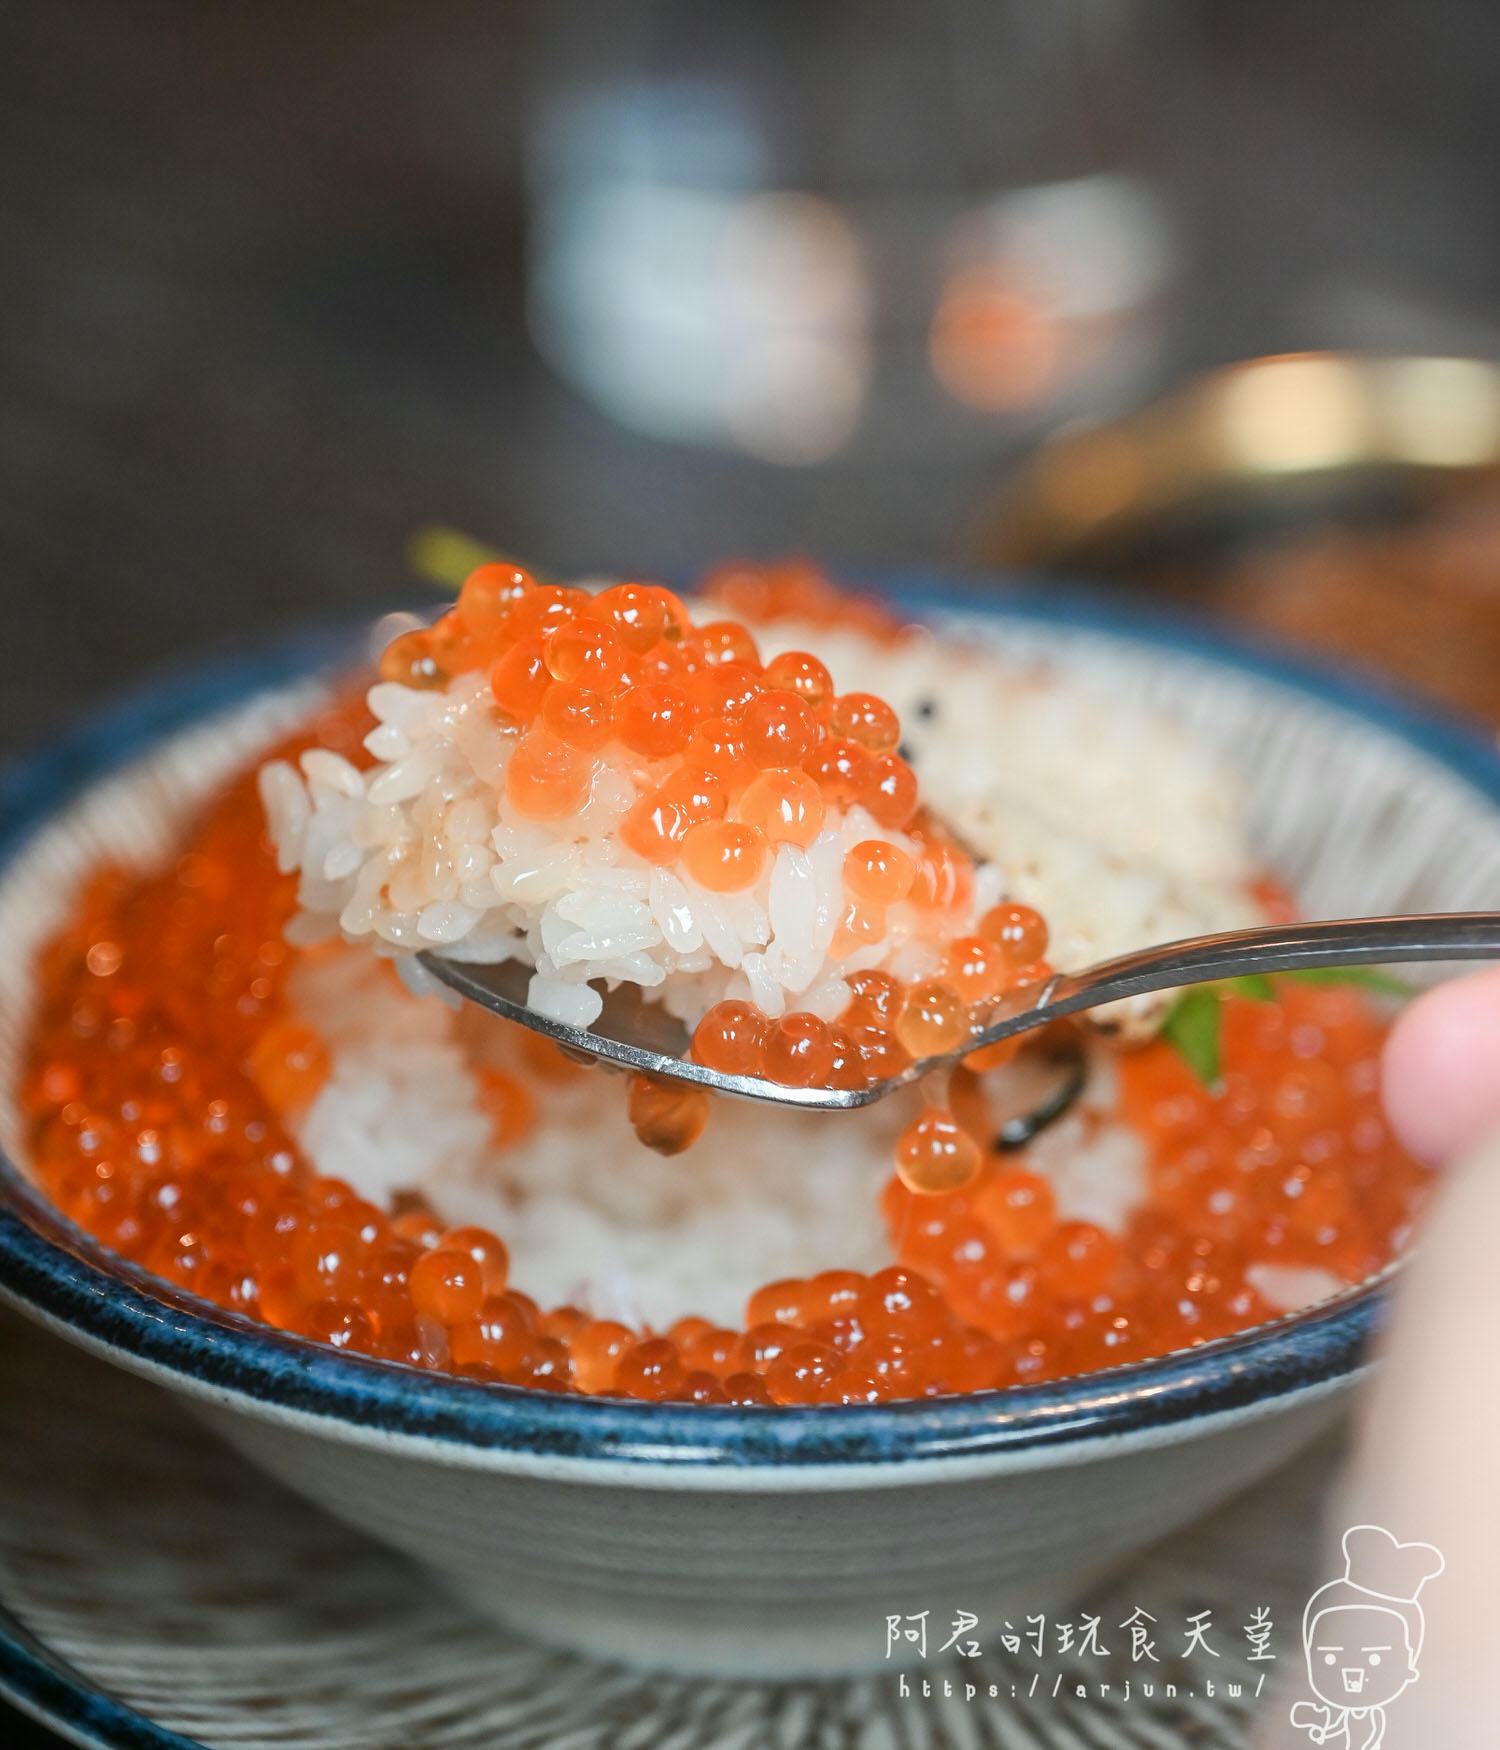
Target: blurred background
{"x": 631, "y": 285}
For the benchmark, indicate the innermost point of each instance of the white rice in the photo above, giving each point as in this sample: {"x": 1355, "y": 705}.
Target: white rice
{"x": 1109, "y": 820}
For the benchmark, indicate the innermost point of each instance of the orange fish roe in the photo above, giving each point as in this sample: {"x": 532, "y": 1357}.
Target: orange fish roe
{"x": 799, "y": 590}
{"x": 765, "y": 749}
{"x": 1288, "y": 1162}
{"x": 165, "y": 1066}
{"x": 163, "y": 1058}
{"x": 667, "y": 1116}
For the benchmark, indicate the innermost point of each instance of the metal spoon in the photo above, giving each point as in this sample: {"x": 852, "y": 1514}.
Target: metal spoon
{"x": 638, "y": 1035}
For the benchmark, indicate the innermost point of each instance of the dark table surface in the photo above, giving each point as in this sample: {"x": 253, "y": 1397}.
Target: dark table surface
{"x": 261, "y": 309}
{"x": 261, "y": 305}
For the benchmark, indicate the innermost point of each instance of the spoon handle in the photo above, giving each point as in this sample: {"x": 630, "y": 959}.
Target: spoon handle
{"x": 1462, "y": 935}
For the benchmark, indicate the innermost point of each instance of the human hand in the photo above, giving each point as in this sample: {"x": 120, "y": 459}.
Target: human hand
{"x": 1442, "y": 1069}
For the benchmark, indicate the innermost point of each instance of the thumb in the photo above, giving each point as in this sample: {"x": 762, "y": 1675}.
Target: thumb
{"x": 1441, "y": 1072}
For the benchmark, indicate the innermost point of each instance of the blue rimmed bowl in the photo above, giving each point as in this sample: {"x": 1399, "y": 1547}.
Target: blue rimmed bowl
{"x": 743, "y": 1541}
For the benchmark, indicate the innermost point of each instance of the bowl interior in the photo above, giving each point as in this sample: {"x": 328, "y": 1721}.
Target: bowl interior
{"x": 1360, "y": 801}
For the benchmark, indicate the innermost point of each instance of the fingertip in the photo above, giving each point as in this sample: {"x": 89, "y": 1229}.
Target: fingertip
{"x": 1441, "y": 1068}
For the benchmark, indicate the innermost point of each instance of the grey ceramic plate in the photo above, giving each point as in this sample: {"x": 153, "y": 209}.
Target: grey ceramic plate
{"x": 159, "y": 1593}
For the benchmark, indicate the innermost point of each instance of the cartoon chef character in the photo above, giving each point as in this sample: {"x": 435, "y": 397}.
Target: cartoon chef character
{"x": 1362, "y": 1635}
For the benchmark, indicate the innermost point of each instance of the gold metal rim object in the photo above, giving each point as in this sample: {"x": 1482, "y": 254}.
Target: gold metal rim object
{"x": 1307, "y": 424}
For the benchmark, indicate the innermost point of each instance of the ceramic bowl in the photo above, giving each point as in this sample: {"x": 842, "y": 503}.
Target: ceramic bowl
{"x": 745, "y": 1541}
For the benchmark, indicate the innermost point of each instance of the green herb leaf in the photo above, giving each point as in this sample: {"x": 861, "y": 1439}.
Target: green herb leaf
{"x": 1371, "y": 978}
{"x": 1192, "y": 1029}
{"x": 1193, "y": 1024}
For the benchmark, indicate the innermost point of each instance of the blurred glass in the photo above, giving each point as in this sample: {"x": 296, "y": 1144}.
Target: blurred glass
{"x": 798, "y": 231}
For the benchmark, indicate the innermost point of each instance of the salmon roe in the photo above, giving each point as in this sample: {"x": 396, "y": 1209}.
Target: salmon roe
{"x": 166, "y": 1066}
{"x": 1287, "y": 1162}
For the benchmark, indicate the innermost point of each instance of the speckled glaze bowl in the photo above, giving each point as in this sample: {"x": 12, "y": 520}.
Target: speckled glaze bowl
{"x": 746, "y": 1541}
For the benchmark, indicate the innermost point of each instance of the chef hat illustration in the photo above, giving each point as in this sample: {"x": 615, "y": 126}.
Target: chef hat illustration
{"x": 1379, "y": 1571}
